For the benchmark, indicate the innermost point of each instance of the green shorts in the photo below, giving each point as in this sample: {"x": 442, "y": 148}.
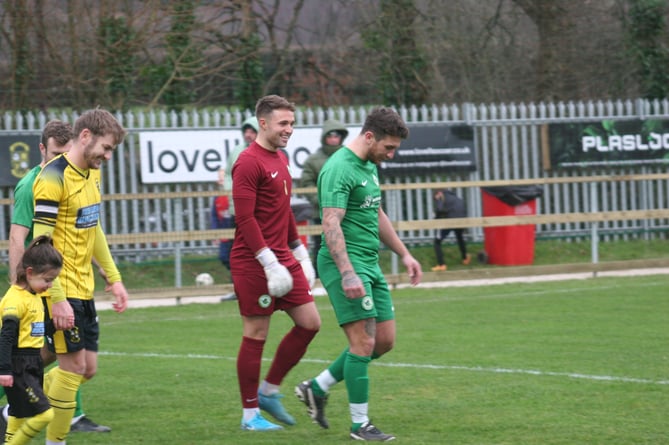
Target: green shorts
{"x": 377, "y": 303}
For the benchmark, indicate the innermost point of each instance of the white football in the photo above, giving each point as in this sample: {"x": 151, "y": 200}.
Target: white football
{"x": 204, "y": 279}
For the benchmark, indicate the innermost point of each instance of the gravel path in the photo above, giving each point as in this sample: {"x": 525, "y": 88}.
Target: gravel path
{"x": 152, "y": 302}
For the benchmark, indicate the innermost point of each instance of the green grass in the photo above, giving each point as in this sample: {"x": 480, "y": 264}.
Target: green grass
{"x": 575, "y": 362}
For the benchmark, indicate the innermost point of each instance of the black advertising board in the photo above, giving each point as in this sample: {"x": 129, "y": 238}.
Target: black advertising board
{"x": 18, "y": 154}
{"x": 609, "y": 143}
{"x": 435, "y": 148}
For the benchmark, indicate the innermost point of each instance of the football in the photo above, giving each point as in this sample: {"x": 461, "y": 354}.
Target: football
{"x": 204, "y": 279}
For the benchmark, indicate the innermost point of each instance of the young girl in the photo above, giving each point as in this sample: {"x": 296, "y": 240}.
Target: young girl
{"x": 22, "y": 337}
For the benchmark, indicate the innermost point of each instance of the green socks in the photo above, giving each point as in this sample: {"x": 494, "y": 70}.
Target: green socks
{"x": 356, "y": 377}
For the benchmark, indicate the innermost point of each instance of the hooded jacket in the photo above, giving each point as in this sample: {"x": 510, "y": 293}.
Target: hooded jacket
{"x": 314, "y": 163}
{"x": 234, "y": 154}
{"x": 449, "y": 205}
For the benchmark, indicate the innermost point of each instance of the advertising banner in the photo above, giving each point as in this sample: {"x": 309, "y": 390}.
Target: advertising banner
{"x": 433, "y": 149}
{"x": 18, "y": 155}
{"x": 196, "y": 156}
{"x": 609, "y": 143}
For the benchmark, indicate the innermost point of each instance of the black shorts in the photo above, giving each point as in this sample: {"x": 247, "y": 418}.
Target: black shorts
{"x": 26, "y": 398}
{"x": 85, "y": 333}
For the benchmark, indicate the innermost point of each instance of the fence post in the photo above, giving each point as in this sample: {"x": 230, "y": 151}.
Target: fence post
{"x": 178, "y": 225}
{"x": 594, "y": 237}
{"x": 395, "y": 210}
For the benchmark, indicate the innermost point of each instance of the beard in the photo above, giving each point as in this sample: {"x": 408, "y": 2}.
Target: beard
{"x": 92, "y": 161}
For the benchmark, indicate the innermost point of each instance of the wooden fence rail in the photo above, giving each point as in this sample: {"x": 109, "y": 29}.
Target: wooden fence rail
{"x": 489, "y": 221}
{"x": 403, "y": 186}
{"x": 486, "y": 221}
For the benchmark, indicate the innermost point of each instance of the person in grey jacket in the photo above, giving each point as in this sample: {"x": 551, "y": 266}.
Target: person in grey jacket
{"x": 449, "y": 205}
{"x": 332, "y": 138}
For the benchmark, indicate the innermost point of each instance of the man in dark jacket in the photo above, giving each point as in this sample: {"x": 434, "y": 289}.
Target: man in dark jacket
{"x": 332, "y": 138}
{"x": 448, "y": 205}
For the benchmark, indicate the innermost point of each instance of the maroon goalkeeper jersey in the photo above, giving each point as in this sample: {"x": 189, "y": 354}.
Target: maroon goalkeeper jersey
{"x": 261, "y": 189}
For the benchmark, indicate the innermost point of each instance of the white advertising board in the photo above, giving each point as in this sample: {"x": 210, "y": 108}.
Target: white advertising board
{"x": 197, "y": 155}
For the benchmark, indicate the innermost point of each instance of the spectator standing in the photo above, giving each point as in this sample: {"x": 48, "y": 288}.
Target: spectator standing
{"x": 221, "y": 219}
{"x": 332, "y": 138}
{"x": 449, "y": 205}
{"x": 270, "y": 266}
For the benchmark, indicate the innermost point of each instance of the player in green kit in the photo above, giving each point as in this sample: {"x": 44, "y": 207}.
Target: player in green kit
{"x": 354, "y": 225}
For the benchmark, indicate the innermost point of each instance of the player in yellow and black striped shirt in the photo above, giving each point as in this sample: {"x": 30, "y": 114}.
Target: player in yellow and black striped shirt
{"x": 67, "y": 205}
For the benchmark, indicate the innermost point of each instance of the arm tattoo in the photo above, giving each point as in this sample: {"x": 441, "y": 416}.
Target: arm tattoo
{"x": 334, "y": 238}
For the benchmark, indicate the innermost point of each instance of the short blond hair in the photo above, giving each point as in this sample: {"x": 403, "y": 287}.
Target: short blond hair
{"x": 100, "y": 122}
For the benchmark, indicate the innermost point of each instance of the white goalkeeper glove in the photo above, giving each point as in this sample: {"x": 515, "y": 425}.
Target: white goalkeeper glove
{"x": 300, "y": 253}
{"x": 279, "y": 279}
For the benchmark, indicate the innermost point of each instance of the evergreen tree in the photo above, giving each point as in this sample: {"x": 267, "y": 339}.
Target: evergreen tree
{"x": 646, "y": 34}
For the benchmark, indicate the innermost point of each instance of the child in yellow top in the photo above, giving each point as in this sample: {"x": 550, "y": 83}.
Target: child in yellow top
{"x": 22, "y": 337}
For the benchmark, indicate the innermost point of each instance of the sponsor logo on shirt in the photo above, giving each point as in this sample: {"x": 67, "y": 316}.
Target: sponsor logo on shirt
{"x": 37, "y": 329}
{"x": 87, "y": 217}
{"x": 370, "y": 202}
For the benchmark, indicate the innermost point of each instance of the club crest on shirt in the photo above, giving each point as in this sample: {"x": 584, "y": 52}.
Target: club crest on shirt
{"x": 367, "y": 303}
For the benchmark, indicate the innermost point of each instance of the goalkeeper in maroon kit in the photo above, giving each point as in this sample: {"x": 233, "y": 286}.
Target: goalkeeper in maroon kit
{"x": 271, "y": 269}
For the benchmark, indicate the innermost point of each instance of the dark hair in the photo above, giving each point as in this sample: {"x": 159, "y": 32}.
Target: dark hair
{"x": 101, "y": 123}
{"x": 267, "y": 104}
{"x": 384, "y": 121}
{"x": 60, "y": 131}
{"x": 41, "y": 255}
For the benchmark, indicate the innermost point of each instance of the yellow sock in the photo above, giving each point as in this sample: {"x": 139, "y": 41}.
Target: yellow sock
{"x": 62, "y": 396}
{"x": 13, "y": 425}
{"x": 30, "y": 427}
{"x": 48, "y": 378}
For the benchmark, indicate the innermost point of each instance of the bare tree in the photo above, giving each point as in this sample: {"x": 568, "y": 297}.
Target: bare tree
{"x": 124, "y": 53}
{"x": 15, "y": 31}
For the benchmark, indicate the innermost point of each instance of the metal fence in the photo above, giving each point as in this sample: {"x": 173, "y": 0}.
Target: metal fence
{"x": 507, "y": 140}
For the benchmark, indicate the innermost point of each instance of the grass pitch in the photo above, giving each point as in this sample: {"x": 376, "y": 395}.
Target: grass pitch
{"x": 573, "y": 362}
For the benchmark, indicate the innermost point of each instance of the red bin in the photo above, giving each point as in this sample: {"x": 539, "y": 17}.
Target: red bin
{"x": 510, "y": 245}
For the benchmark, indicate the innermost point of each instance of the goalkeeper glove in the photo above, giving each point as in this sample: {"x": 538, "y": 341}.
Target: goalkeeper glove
{"x": 301, "y": 255}
{"x": 279, "y": 279}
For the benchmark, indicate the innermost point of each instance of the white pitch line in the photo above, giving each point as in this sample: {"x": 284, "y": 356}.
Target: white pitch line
{"x": 572, "y": 375}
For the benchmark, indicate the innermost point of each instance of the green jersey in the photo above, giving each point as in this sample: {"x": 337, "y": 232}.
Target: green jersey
{"x": 24, "y": 206}
{"x": 347, "y": 182}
